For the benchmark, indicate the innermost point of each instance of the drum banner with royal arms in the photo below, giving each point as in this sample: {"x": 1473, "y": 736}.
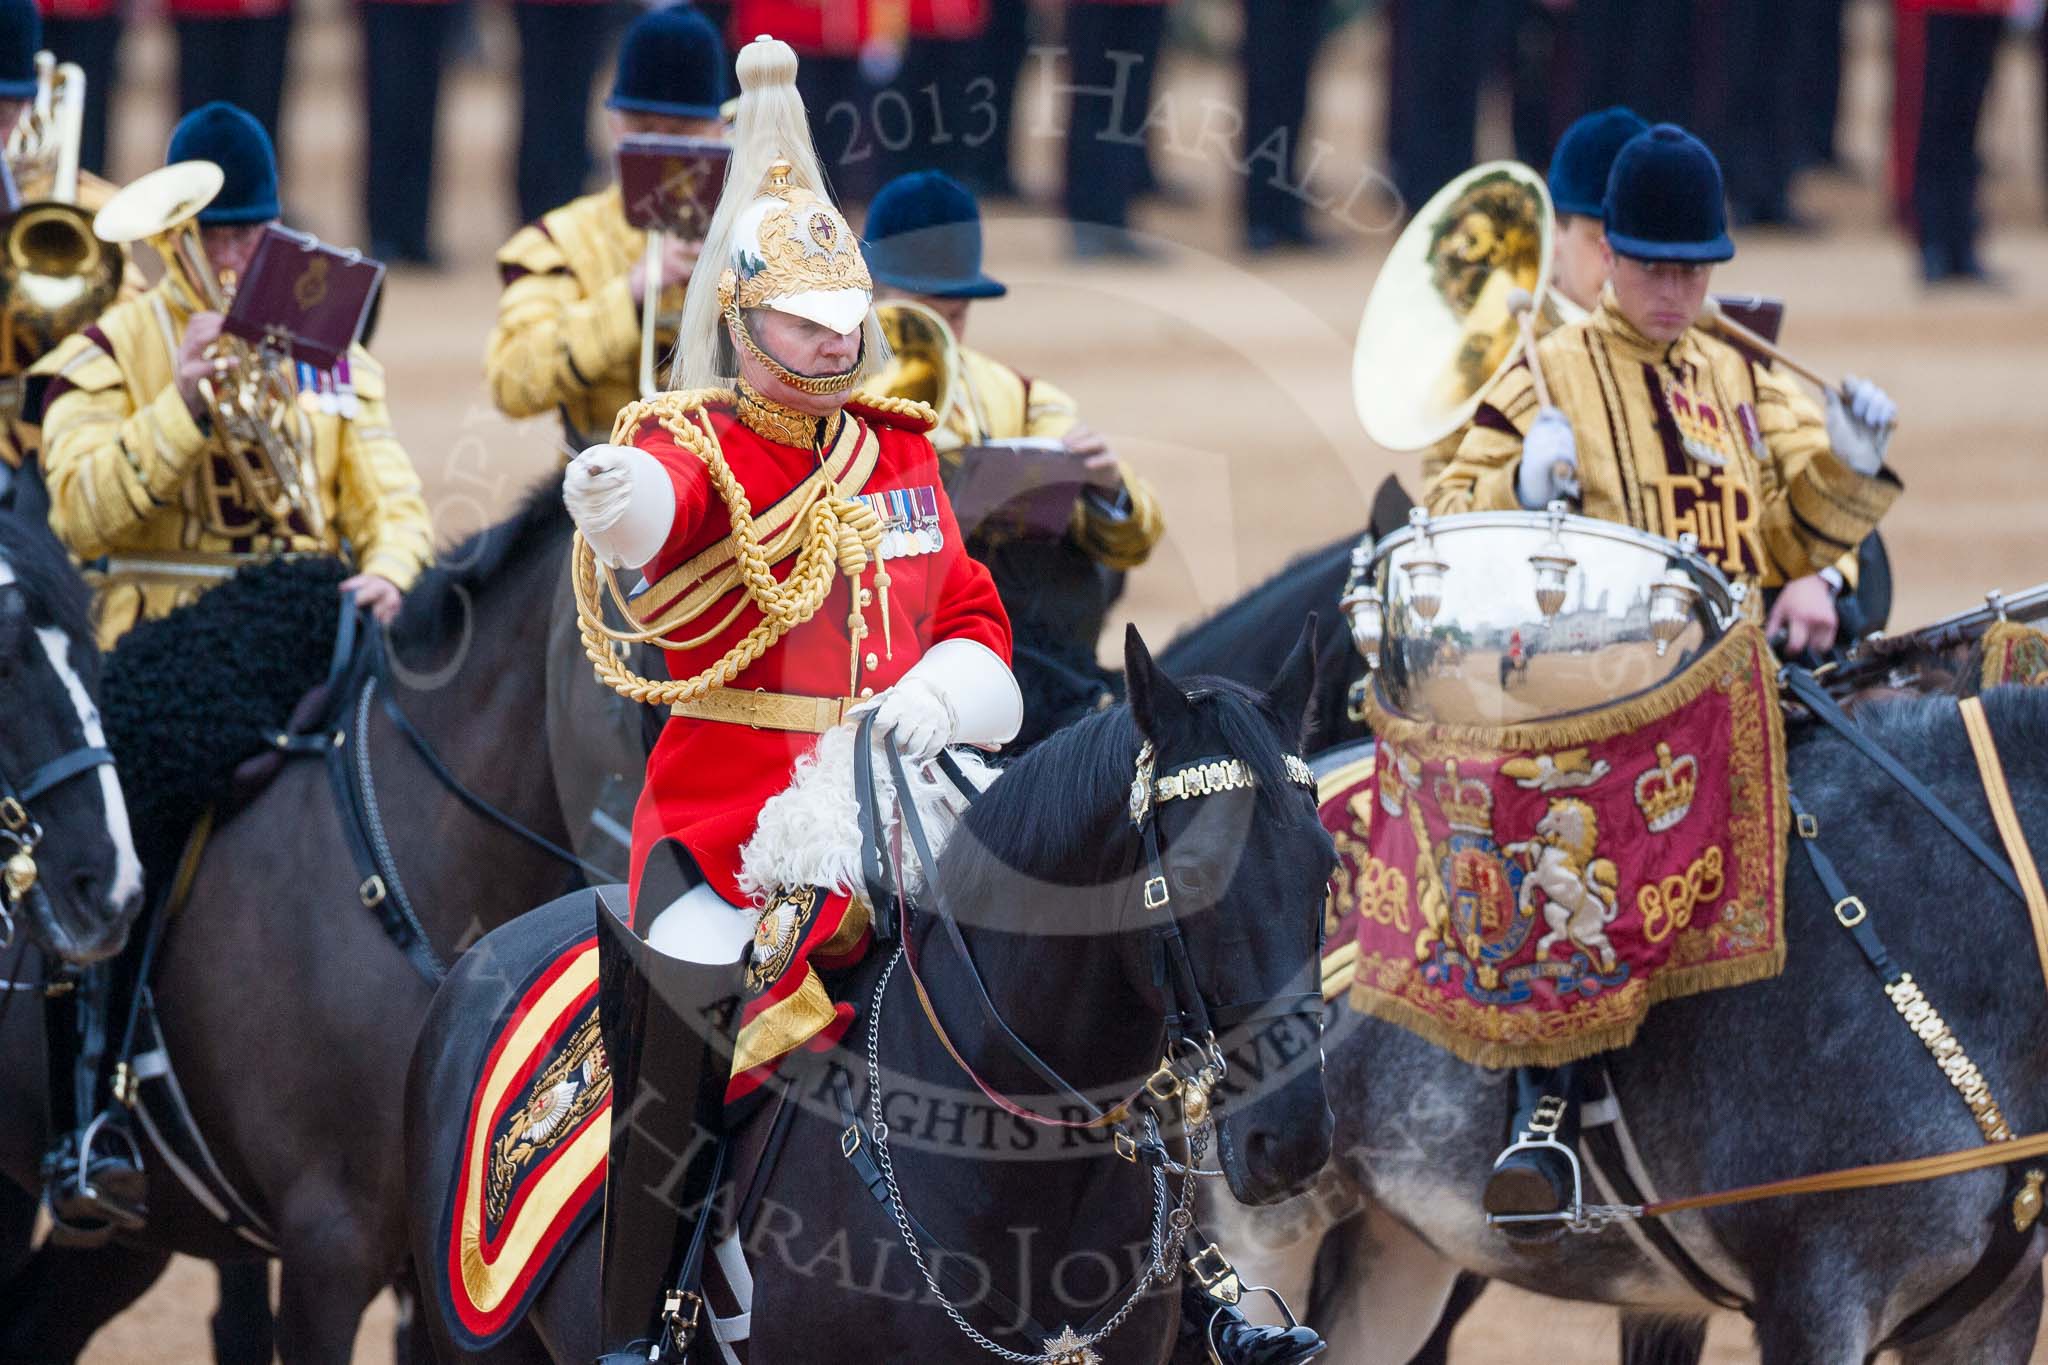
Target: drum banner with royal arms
{"x": 1526, "y": 893}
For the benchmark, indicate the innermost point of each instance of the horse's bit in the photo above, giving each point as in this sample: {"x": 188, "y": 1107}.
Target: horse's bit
{"x": 21, "y": 829}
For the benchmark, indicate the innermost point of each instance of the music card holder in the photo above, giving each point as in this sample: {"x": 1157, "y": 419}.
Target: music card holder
{"x": 304, "y": 297}
{"x": 1026, "y": 486}
{"x": 671, "y": 184}
{"x": 1760, "y": 314}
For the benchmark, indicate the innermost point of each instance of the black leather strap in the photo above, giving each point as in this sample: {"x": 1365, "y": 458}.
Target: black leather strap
{"x": 2001, "y": 1255}
{"x": 913, "y": 825}
{"x": 1850, "y": 912}
{"x": 57, "y": 772}
{"x": 883, "y": 900}
{"x": 1808, "y": 690}
{"x": 1603, "y": 1145}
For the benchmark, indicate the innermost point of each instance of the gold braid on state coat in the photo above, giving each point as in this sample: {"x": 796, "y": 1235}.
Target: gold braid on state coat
{"x": 844, "y": 535}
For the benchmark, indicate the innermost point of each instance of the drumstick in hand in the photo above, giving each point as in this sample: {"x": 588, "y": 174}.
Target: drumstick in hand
{"x": 1714, "y": 317}
{"x": 1522, "y": 307}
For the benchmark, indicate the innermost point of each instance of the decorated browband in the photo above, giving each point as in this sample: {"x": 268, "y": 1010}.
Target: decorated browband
{"x": 1204, "y": 777}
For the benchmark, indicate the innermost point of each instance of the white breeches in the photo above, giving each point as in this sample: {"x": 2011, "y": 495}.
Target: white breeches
{"x": 701, "y": 926}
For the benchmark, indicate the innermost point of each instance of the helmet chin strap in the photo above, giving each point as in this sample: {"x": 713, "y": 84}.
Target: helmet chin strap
{"x": 818, "y": 385}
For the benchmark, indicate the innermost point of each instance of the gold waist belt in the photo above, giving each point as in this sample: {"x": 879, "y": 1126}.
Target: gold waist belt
{"x": 766, "y": 710}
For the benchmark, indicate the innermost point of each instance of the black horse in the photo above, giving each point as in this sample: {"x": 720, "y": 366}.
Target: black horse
{"x": 1048, "y": 873}
{"x": 67, "y": 820}
{"x": 287, "y": 1011}
{"x": 1811, "y": 1071}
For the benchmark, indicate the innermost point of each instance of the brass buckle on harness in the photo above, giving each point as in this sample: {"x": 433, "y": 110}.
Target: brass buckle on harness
{"x": 1809, "y": 828}
{"x": 1547, "y": 1115}
{"x": 1156, "y": 894}
{"x": 1163, "y": 1084}
{"x": 1126, "y": 1146}
{"x": 849, "y": 1141}
{"x": 679, "y": 1312}
{"x": 13, "y": 814}
{"x": 1215, "y": 1274}
{"x": 372, "y": 892}
{"x": 1850, "y": 911}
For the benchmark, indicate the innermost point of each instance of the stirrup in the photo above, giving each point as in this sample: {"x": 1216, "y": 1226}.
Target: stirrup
{"x": 1541, "y": 1136}
{"x": 1209, "y": 1338}
{"x": 82, "y": 1214}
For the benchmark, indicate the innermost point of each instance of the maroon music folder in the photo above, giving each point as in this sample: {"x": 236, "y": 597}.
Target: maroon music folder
{"x": 1760, "y": 314}
{"x": 304, "y": 296}
{"x": 1025, "y": 486}
{"x": 671, "y": 184}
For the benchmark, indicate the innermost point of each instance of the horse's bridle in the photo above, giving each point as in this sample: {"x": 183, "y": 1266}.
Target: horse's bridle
{"x": 21, "y": 829}
{"x": 1192, "y": 1062}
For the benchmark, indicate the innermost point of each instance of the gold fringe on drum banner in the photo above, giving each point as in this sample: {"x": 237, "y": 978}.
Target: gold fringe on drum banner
{"x": 1529, "y": 892}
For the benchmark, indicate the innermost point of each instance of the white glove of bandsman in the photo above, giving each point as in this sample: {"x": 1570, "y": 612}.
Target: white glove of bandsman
{"x": 1550, "y": 461}
{"x": 1860, "y": 419}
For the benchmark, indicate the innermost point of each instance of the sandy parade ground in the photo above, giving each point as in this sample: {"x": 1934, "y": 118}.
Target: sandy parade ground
{"x": 1226, "y": 383}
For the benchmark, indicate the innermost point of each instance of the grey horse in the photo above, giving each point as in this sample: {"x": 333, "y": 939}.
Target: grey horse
{"x": 1812, "y": 1071}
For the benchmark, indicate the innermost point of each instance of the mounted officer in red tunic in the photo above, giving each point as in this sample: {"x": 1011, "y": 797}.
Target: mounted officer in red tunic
{"x": 804, "y": 564}
{"x": 803, "y": 559}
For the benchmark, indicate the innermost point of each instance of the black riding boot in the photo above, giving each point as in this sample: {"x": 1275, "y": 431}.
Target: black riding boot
{"x": 1538, "y": 1173}
{"x": 93, "y": 1183}
{"x": 667, "y": 1032}
{"x": 1209, "y": 1316}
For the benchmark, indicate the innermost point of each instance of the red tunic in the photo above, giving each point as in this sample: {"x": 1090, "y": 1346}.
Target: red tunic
{"x": 707, "y": 780}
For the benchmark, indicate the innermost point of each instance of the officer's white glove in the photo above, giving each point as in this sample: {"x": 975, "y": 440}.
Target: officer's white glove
{"x": 915, "y": 718}
{"x": 622, "y": 501}
{"x": 1550, "y": 461}
{"x": 960, "y": 692}
{"x": 1860, "y": 417}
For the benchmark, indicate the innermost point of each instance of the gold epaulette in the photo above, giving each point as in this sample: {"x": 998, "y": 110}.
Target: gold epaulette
{"x": 907, "y": 413}
{"x": 674, "y": 405}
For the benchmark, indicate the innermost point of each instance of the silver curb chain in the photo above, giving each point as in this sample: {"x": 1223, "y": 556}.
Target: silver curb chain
{"x": 1170, "y": 1222}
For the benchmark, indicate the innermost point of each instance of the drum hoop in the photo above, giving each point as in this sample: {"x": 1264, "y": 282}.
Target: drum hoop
{"x": 1711, "y": 580}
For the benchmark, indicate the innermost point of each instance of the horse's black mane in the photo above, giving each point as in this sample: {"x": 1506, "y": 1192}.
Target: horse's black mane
{"x": 55, "y": 592}
{"x": 466, "y": 570}
{"x": 1058, "y": 804}
{"x": 1219, "y": 644}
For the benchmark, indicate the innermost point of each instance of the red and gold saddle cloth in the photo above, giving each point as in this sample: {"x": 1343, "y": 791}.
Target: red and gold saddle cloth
{"x": 532, "y": 1159}
{"x": 1523, "y": 895}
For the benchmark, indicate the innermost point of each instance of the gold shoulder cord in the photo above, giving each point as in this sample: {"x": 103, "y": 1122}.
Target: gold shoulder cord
{"x": 843, "y": 534}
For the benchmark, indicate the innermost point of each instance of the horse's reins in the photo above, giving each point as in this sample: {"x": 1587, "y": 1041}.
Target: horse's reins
{"x": 351, "y": 681}
{"x": 1184, "y": 1007}
{"x": 1188, "y": 1022}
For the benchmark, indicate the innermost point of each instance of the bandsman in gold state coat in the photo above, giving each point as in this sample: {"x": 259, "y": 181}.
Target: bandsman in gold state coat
{"x": 923, "y": 239}
{"x": 568, "y": 330}
{"x": 1674, "y": 429}
{"x": 135, "y": 473}
{"x": 39, "y": 150}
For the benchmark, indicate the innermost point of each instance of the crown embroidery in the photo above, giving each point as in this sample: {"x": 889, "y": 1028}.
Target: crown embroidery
{"x": 1701, "y": 429}
{"x": 1467, "y": 803}
{"x": 1664, "y": 793}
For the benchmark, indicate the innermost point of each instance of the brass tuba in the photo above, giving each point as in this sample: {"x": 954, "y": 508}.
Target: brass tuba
{"x": 924, "y": 359}
{"x": 251, "y": 397}
{"x": 1438, "y": 328}
{"x": 56, "y": 277}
